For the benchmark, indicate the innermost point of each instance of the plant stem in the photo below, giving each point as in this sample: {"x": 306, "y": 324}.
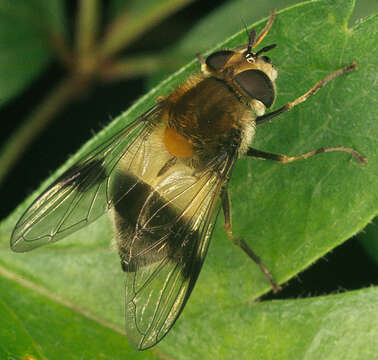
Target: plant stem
{"x": 87, "y": 26}
{"x": 131, "y": 67}
{"x": 126, "y": 27}
{"x": 34, "y": 124}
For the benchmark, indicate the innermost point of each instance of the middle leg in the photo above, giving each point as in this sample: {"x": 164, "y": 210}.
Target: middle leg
{"x": 286, "y": 159}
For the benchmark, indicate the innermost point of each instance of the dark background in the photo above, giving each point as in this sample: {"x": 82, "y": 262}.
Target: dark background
{"x": 347, "y": 267}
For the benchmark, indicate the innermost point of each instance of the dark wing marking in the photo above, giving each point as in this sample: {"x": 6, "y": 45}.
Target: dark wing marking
{"x": 81, "y": 194}
{"x": 163, "y": 249}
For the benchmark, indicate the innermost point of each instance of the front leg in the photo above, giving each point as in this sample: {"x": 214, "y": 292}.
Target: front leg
{"x": 291, "y": 104}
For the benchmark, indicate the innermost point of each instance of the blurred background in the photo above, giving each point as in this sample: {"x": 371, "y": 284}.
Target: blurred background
{"x": 159, "y": 44}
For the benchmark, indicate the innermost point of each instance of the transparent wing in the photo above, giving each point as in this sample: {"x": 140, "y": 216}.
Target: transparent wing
{"x": 81, "y": 194}
{"x": 163, "y": 248}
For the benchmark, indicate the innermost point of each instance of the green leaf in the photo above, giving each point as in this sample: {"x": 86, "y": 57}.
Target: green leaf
{"x": 27, "y": 29}
{"x": 231, "y": 17}
{"x": 67, "y": 332}
{"x": 291, "y": 215}
{"x": 335, "y": 327}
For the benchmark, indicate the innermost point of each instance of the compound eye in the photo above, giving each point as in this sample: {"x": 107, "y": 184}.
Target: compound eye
{"x": 217, "y": 61}
{"x": 257, "y": 85}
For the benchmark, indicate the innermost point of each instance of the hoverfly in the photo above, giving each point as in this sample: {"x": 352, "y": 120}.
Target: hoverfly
{"x": 163, "y": 180}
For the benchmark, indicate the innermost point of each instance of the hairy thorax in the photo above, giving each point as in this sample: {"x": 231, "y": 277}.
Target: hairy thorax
{"x": 205, "y": 117}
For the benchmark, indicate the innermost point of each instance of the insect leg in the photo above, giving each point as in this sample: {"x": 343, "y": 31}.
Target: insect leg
{"x": 266, "y": 29}
{"x": 226, "y": 206}
{"x": 288, "y": 106}
{"x": 286, "y": 159}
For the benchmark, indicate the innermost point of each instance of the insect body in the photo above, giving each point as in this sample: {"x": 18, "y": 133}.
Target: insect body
{"x": 161, "y": 179}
